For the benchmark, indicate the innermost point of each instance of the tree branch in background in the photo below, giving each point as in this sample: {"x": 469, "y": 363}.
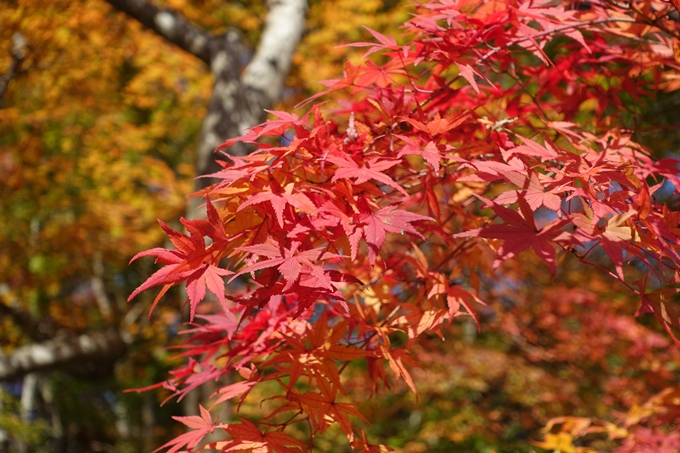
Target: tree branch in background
{"x": 169, "y": 24}
{"x": 60, "y": 352}
{"x": 9, "y": 306}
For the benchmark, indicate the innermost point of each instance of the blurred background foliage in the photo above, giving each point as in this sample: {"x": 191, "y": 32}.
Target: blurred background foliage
{"x": 98, "y": 133}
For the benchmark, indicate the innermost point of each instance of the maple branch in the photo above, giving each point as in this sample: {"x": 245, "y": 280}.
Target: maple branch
{"x": 18, "y": 53}
{"x": 552, "y": 31}
{"x": 58, "y": 352}
{"x": 582, "y": 259}
{"x": 513, "y": 42}
{"x": 169, "y": 24}
{"x": 655, "y": 21}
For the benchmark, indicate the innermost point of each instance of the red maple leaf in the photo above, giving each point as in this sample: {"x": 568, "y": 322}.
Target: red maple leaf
{"x": 429, "y": 152}
{"x": 468, "y": 74}
{"x": 323, "y": 407}
{"x": 239, "y": 169}
{"x": 385, "y": 43}
{"x": 438, "y": 125}
{"x": 534, "y": 191}
{"x": 210, "y": 277}
{"x": 170, "y": 274}
{"x": 457, "y": 296}
{"x": 247, "y": 436}
{"x": 533, "y": 149}
{"x": 372, "y": 169}
{"x": 519, "y": 233}
{"x": 191, "y": 261}
{"x": 233, "y": 390}
{"x": 291, "y": 262}
{"x": 279, "y": 201}
{"x": 387, "y": 220}
{"x": 200, "y": 425}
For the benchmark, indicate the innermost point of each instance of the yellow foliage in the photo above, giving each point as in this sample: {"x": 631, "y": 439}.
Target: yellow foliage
{"x": 99, "y": 130}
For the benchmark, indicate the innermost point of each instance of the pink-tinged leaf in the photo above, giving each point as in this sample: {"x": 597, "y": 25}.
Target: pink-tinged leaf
{"x": 469, "y": 74}
{"x": 223, "y": 322}
{"x": 429, "y": 152}
{"x": 565, "y": 127}
{"x": 615, "y": 253}
{"x": 533, "y": 149}
{"x": 290, "y": 264}
{"x": 353, "y": 232}
{"x": 291, "y": 268}
{"x": 577, "y": 36}
{"x": 388, "y": 220}
{"x": 182, "y": 242}
{"x": 438, "y": 125}
{"x": 233, "y": 390}
{"x": 614, "y": 238}
{"x": 297, "y": 231}
{"x": 168, "y": 275}
{"x": 279, "y": 201}
{"x": 239, "y": 169}
{"x": 228, "y": 176}
{"x": 457, "y": 296}
{"x": 317, "y": 278}
{"x": 535, "y": 193}
{"x": 201, "y": 426}
{"x": 163, "y": 256}
{"x": 279, "y": 126}
{"x": 494, "y": 171}
{"x": 371, "y": 170}
{"x": 537, "y": 196}
{"x": 518, "y": 234}
{"x": 354, "y": 239}
{"x": 210, "y": 277}
{"x": 268, "y": 249}
{"x": 385, "y": 43}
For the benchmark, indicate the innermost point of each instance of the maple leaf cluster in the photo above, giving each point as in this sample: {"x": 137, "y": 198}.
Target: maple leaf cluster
{"x": 494, "y": 126}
